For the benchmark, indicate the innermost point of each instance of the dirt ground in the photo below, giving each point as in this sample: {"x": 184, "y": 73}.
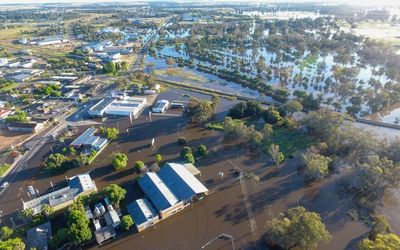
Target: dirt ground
{"x": 8, "y": 138}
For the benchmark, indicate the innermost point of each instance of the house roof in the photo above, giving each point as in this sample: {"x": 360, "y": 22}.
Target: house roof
{"x": 31, "y": 125}
{"x": 87, "y": 138}
{"x": 180, "y": 181}
{"x": 141, "y": 211}
{"x": 82, "y": 182}
{"x": 39, "y": 236}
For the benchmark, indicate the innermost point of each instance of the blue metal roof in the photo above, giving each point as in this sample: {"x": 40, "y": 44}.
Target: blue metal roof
{"x": 141, "y": 211}
{"x": 156, "y": 190}
{"x": 180, "y": 181}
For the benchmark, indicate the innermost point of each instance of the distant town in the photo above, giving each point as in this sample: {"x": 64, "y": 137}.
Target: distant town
{"x": 199, "y": 125}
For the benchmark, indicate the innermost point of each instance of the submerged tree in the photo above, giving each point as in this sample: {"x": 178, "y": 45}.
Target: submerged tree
{"x": 297, "y": 229}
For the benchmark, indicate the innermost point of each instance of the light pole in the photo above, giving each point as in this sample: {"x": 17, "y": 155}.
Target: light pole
{"x": 178, "y": 128}
{"x": 221, "y": 236}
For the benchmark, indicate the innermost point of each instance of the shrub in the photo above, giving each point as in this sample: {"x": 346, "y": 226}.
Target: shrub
{"x": 202, "y": 150}
{"x": 182, "y": 141}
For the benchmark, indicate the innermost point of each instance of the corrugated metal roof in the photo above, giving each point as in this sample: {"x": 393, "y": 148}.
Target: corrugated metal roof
{"x": 180, "y": 181}
{"x": 159, "y": 194}
{"x": 142, "y": 211}
{"x": 84, "y": 138}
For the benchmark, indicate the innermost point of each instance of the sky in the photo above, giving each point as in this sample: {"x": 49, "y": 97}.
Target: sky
{"x": 355, "y": 2}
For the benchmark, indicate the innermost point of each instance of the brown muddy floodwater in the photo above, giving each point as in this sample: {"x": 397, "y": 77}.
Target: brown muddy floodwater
{"x": 240, "y": 209}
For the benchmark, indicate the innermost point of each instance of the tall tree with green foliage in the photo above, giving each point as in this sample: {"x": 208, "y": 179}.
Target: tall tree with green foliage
{"x": 5, "y": 233}
{"x": 115, "y": 193}
{"x": 78, "y": 225}
{"x": 275, "y": 153}
{"x": 297, "y": 229}
{"x": 55, "y": 161}
{"x": 120, "y": 161}
{"x": 12, "y": 244}
{"x": 316, "y": 166}
{"x": 381, "y": 242}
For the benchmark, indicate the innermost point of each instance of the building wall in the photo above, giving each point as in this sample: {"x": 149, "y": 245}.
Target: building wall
{"x": 171, "y": 210}
{"x": 147, "y": 224}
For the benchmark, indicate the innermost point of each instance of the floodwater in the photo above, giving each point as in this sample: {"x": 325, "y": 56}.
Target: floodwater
{"x": 311, "y": 73}
{"x": 266, "y": 191}
{"x": 389, "y": 114}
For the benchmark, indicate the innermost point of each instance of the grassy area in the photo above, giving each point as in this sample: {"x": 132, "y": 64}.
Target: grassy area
{"x": 181, "y": 73}
{"x": 4, "y": 168}
{"x": 289, "y": 141}
{"x": 220, "y": 125}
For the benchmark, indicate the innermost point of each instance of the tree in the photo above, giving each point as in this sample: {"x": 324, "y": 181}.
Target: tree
{"x": 276, "y": 155}
{"x": 59, "y": 238}
{"x": 182, "y": 141}
{"x": 120, "y": 161}
{"x": 55, "y": 161}
{"x": 186, "y": 150}
{"x": 109, "y": 133}
{"x": 189, "y": 158}
{"x": 245, "y": 109}
{"x": 271, "y": 116}
{"x": 380, "y": 226}
{"x": 78, "y": 224}
{"x": 316, "y": 166}
{"x": 201, "y": 111}
{"x": 202, "y": 150}
{"x": 381, "y": 242}
{"x": 5, "y": 233}
{"x": 115, "y": 193}
{"x": 46, "y": 210}
{"x": 267, "y": 131}
{"x": 158, "y": 158}
{"x": 80, "y": 160}
{"x": 297, "y": 228}
{"x": 139, "y": 165}
{"x": 126, "y": 222}
{"x": 293, "y": 106}
{"x": 18, "y": 116}
{"x": 26, "y": 214}
{"x": 12, "y": 244}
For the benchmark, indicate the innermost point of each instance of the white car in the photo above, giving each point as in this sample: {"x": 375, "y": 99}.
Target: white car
{"x": 4, "y": 185}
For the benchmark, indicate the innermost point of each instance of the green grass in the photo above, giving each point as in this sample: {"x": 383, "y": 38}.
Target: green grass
{"x": 220, "y": 125}
{"x": 289, "y": 141}
{"x": 4, "y": 168}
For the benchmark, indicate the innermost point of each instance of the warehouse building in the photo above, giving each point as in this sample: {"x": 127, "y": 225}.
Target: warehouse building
{"x": 171, "y": 189}
{"x": 127, "y": 106}
{"x": 143, "y": 213}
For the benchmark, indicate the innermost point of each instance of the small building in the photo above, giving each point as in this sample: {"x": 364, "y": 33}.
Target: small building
{"x": 21, "y": 77}
{"x": 38, "y": 237}
{"x": 89, "y": 141}
{"x": 161, "y": 106}
{"x": 112, "y": 217}
{"x": 143, "y": 214}
{"x": 25, "y": 127}
{"x": 104, "y": 234}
